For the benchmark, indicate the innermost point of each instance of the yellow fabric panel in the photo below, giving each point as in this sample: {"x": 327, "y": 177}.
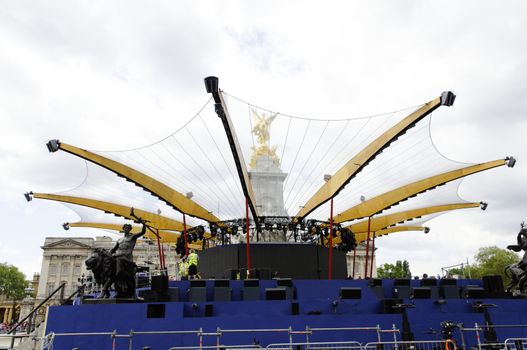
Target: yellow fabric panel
{"x": 350, "y": 169}
{"x": 155, "y": 220}
{"x": 385, "y": 200}
{"x": 166, "y": 193}
{"x": 381, "y": 222}
{"x": 362, "y": 236}
{"x": 166, "y": 236}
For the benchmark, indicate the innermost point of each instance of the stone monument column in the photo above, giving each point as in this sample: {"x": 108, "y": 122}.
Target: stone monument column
{"x": 266, "y": 176}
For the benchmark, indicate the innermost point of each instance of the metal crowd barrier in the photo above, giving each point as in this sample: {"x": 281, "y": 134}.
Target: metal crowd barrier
{"x": 290, "y": 344}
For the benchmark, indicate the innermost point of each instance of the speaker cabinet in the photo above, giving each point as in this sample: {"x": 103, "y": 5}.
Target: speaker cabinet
{"x": 295, "y": 308}
{"x": 209, "y": 310}
{"x": 421, "y": 293}
{"x": 275, "y": 293}
{"x": 155, "y": 311}
{"x": 160, "y": 284}
{"x": 350, "y": 293}
{"x": 493, "y": 285}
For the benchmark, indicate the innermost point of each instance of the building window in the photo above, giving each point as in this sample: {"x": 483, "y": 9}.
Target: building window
{"x": 52, "y": 269}
{"x": 50, "y": 288}
{"x": 77, "y": 270}
{"x": 65, "y": 269}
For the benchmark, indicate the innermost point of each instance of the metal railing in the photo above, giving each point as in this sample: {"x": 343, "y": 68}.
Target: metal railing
{"x": 289, "y": 333}
{"x": 308, "y": 344}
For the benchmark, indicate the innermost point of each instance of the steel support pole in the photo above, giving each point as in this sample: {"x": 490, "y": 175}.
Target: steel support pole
{"x": 372, "y": 254}
{"x": 185, "y": 233}
{"x": 330, "y": 253}
{"x": 353, "y": 268}
{"x": 247, "y": 238}
{"x": 367, "y": 249}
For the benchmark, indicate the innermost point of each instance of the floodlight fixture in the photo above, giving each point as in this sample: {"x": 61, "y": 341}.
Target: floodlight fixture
{"x": 447, "y": 98}
{"x": 66, "y": 226}
{"x": 510, "y": 161}
{"x": 190, "y": 195}
{"x": 211, "y": 84}
{"x": 29, "y": 196}
{"x": 483, "y": 205}
{"x": 327, "y": 177}
{"x": 53, "y": 145}
{"x": 427, "y": 229}
{"x": 362, "y": 198}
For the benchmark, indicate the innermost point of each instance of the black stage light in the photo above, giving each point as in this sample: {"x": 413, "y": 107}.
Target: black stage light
{"x": 66, "y": 226}
{"x": 447, "y": 98}
{"x": 483, "y": 205}
{"x": 211, "y": 84}
{"x": 427, "y": 229}
{"x": 510, "y": 161}
{"x": 28, "y": 196}
{"x": 53, "y": 145}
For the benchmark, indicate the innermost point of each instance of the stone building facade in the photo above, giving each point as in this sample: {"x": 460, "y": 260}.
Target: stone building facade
{"x": 63, "y": 261}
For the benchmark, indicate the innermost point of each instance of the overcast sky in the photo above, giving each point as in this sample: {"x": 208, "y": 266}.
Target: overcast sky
{"x": 117, "y": 75}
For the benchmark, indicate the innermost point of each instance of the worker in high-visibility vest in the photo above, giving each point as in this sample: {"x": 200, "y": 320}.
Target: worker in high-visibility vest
{"x": 183, "y": 269}
{"x": 192, "y": 260}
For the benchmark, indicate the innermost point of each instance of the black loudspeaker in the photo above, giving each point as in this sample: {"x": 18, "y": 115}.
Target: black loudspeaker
{"x": 448, "y": 282}
{"x": 421, "y": 293}
{"x": 401, "y": 282}
{"x": 428, "y": 282}
{"x": 295, "y": 308}
{"x": 209, "y": 310}
{"x": 264, "y": 274}
{"x": 160, "y": 284}
{"x": 493, "y": 285}
{"x": 155, "y": 311}
{"x": 388, "y": 306}
{"x": 373, "y": 282}
{"x": 275, "y": 293}
{"x": 474, "y": 293}
{"x": 198, "y": 283}
{"x": 350, "y": 293}
{"x": 284, "y": 282}
{"x": 231, "y": 274}
{"x": 148, "y": 296}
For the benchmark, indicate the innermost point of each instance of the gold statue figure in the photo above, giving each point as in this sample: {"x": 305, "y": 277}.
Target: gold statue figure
{"x": 261, "y": 131}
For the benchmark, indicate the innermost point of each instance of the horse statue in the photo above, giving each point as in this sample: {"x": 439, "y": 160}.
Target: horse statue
{"x": 518, "y": 271}
{"x": 103, "y": 266}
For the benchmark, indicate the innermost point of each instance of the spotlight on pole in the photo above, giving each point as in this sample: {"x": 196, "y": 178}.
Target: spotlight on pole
{"x": 447, "y": 98}
{"x": 28, "y": 196}
{"x": 483, "y": 205}
{"x": 510, "y": 161}
{"x": 66, "y": 226}
{"x": 53, "y": 145}
{"x": 211, "y": 84}
{"x": 427, "y": 229}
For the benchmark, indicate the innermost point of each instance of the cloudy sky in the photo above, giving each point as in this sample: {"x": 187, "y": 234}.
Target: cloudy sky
{"x": 123, "y": 74}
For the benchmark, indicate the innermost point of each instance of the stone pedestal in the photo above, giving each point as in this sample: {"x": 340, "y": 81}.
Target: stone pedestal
{"x": 268, "y": 186}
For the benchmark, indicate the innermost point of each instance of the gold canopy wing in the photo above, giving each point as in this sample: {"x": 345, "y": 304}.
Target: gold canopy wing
{"x": 175, "y": 199}
{"x": 359, "y": 161}
{"x": 165, "y": 236}
{"x": 156, "y": 221}
{"x": 388, "y": 199}
{"x": 382, "y": 222}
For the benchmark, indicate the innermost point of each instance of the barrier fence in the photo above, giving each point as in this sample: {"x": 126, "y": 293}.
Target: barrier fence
{"x": 46, "y": 343}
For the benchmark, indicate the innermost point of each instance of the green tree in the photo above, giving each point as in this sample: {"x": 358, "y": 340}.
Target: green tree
{"x": 492, "y": 261}
{"x": 401, "y": 269}
{"x": 488, "y": 261}
{"x": 12, "y": 283}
